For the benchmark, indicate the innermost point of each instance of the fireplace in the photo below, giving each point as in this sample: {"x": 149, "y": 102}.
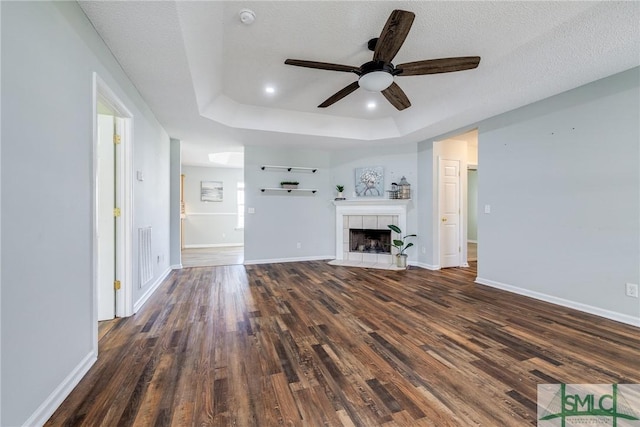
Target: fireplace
{"x": 370, "y": 241}
{"x": 369, "y": 219}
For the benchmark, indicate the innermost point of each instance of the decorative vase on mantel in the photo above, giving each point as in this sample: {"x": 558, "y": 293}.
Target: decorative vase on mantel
{"x": 340, "y": 189}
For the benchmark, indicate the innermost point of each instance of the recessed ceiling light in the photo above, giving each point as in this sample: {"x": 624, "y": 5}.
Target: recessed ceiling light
{"x": 371, "y": 105}
{"x": 270, "y": 89}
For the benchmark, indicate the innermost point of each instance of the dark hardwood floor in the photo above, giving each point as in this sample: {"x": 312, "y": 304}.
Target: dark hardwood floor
{"x": 308, "y": 344}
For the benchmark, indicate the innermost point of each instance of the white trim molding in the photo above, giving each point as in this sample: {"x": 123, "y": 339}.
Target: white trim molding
{"x": 147, "y": 294}
{"x": 214, "y": 245}
{"x": 211, "y": 214}
{"x": 426, "y": 266}
{"x": 280, "y": 260}
{"x": 607, "y": 314}
{"x": 64, "y": 389}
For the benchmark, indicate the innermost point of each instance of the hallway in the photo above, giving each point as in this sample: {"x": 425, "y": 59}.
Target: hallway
{"x": 212, "y": 257}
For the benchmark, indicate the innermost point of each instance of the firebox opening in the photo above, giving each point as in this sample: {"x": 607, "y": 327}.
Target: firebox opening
{"x": 370, "y": 241}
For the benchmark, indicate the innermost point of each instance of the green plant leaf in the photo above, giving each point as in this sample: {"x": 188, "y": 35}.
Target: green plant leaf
{"x": 395, "y": 228}
{"x": 408, "y": 245}
{"x": 398, "y": 243}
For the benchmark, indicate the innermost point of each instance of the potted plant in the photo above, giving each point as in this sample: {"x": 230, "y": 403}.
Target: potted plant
{"x": 289, "y": 184}
{"x": 340, "y": 189}
{"x": 401, "y": 245}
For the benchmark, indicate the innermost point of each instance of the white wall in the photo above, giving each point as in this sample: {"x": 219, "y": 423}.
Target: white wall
{"x": 175, "y": 256}
{"x": 211, "y": 224}
{"x": 472, "y": 205}
{"x": 282, "y": 220}
{"x": 49, "y": 54}
{"x": 561, "y": 176}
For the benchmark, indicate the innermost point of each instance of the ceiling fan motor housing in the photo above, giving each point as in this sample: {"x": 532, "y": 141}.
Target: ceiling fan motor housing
{"x": 377, "y": 66}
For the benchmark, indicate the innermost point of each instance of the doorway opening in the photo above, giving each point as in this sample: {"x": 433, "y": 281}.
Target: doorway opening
{"x": 111, "y": 206}
{"x": 213, "y": 206}
{"x": 455, "y": 200}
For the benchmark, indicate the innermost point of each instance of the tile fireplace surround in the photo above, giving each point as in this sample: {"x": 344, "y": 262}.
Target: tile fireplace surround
{"x": 374, "y": 214}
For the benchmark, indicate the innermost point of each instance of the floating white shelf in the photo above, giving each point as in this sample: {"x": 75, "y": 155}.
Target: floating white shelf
{"x": 289, "y": 190}
{"x": 289, "y": 168}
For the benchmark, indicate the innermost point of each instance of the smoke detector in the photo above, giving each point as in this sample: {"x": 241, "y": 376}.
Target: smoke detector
{"x": 247, "y": 16}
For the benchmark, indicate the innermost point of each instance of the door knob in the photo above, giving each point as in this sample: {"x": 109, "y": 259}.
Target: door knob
{"x": 444, "y": 219}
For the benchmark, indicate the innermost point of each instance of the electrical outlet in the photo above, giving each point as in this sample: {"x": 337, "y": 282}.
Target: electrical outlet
{"x": 632, "y": 290}
{"x": 424, "y": 250}
{"x": 298, "y": 245}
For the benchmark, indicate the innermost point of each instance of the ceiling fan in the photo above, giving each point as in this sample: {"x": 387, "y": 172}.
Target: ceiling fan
{"x": 377, "y": 75}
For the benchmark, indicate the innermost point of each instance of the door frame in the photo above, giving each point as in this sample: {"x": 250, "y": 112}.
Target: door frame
{"x": 462, "y": 195}
{"x": 124, "y": 200}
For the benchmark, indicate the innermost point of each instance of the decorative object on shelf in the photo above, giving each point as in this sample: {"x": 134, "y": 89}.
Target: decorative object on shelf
{"x": 290, "y": 168}
{"x": 340, "y": 189}
{"x": 369, "y": 181}
{"x": 404, "y": 189}
{"x": 401, "y": 257}
{"x": 211, "y": 191}
{"x": 393, "y": 193}
{"x": 289, "y": 185}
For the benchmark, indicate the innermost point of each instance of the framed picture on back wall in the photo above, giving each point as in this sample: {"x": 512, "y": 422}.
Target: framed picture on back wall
{"x": 369, "y": 181}
{"x": 211, "y": 191}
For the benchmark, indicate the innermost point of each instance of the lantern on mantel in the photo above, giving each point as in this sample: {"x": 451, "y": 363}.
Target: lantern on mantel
{"x": 393, "y": 193}
{"x": 404, "y": 189}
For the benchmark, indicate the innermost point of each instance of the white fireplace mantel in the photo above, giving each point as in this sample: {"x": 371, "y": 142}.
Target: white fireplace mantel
{"x": 369, "y": 202}
{"x": 395, "y": 207}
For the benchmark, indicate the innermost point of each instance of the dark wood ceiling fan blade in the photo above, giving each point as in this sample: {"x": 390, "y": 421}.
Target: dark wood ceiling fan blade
{"x": 393, "y": 34}
{"x": 396, "y": 97}
{"x": 322, "y": 65}
{"x": 435, "y": 66}
{"x": 339, "y": 95}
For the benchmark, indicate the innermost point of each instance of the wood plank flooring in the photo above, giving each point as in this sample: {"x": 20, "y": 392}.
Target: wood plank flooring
{"x": 308, "y": 344}
{"x": 212, "y": 257}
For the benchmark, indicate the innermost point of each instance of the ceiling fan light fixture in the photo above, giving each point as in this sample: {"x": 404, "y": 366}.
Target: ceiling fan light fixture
{"x": 375, "y": 81}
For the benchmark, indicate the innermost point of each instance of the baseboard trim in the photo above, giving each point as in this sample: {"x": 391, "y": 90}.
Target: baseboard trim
{"x": 55, "y": 399}
{"x": 427, "y": 266}
{"x": 214, "y": 245}
{"x": 176, "y": 267}
{"x": 151, "y": 290}
{"x": 607, "y": 314}
{"x": 472, "y": 241}
{"x": 279, "y": 260}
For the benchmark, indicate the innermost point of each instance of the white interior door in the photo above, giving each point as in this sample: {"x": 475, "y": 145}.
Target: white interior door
{"x": 106, "y": 220}
{"x": 449, "y": 207}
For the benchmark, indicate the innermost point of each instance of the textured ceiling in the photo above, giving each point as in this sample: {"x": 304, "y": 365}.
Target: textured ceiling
{"x": 203, "y": 72}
